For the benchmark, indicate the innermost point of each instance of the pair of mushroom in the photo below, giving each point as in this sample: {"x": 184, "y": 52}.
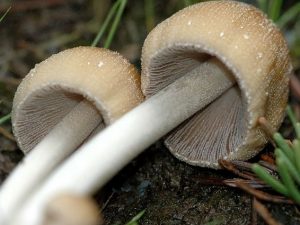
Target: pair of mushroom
{"x": 222, "y": 63}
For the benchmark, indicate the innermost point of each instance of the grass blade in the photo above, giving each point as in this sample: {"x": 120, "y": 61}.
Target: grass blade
{"x": 281, "y": 142}
{"x": 115, "y": 24}
{"x": 289, "y": 15}
{"x": 187, "y": 3}
{"x": 269, "y": 179}
{"x": 293, "y": 120}
{"x": 103, "y": 28}
{"x": 149, "y": 14}
{"x": 263, "y": 5}
{"x": 296, "y": 148}
{"x": 291, "y": 115}
{"x": 135, "y": 219}
{"x": 5, "y": 118}
{"x": 287, "y": 180}
{"x": 4, "y": 15}
{"x": 289, "y": 165}
{"x": 275, "y": 9}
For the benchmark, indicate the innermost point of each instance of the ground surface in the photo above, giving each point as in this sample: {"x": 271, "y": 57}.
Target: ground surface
{"x": 172, "y": 192}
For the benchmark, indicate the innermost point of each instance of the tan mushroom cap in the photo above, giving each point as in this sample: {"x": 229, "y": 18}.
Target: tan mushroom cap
{"x": 251, "y": 47}
{"x": 55, "y": 86}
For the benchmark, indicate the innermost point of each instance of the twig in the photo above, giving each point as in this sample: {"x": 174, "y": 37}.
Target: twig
{"x": 253, "y": 213}
{"x": 262, "y": 195}
{"x": 251, "y": 183}
{"x": 271, "y": 167}
{"x": 107, "y": 201}
{"x": 7, "y": 134}
{"x": 230, "y": 167}
{"x": 242, "y": 165}
{"x": 269, "y": 159}
{"x": 264, "y": 213}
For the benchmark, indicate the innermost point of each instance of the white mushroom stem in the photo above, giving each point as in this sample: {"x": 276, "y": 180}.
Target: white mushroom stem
{"x": 98, "y": 160}
{"x": 56, "y": 146}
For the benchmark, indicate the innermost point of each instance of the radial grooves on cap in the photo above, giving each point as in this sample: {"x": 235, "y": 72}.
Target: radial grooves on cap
{"x": 242, "y": 38}
{"x": 55, "y": 86}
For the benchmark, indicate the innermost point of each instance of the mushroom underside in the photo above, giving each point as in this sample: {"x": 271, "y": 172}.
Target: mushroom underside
{"x": 42, "y": 111}
{"x": 213, "y": 132}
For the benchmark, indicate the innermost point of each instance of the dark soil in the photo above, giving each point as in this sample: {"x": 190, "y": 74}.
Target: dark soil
{"x": 170, "y": 191}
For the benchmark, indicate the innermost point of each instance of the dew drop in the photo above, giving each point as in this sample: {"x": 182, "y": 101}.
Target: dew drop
{"x": 189, "y": 23}
{"x": 221, "y": 34}
{"x": 100, "y": 64}
{"x": 246, "y": 36}
{"x": 259, "y": 55}
{"x": 88, "y": 63}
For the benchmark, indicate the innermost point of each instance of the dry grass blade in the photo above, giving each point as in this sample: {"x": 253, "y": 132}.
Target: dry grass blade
{"x": 7, "y": 134}
{"x": 253, "y": 213}
{"x": 107, "y": 201}
{"x": 252, "y": 183}
{"x": 232, "y": 168}
{"x": 264, "y": 213}
{"x": 262, "y": 195}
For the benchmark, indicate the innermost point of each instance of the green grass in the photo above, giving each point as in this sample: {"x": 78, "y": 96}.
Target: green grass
{"x": 4, "y": 15}
{"x": 287, "y": 156}
{"x": 273, "y": 8}
{"x": 5, "y": 118}
{"x": 135, "y": 219}
{"x": 288, "y": 16}
{"x": 149, "y": 14}
{"x": 116, "y": 10}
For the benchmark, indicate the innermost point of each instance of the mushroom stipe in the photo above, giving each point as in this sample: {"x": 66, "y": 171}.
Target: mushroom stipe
{"x": 147, "y": 123}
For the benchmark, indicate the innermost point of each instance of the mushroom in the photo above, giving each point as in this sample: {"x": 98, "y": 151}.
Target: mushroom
{"x": 223, "y": 57}
{"x": 70, "y": 209}
{"x": 58, "y": 105}
{"x": 250, "y": 46}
